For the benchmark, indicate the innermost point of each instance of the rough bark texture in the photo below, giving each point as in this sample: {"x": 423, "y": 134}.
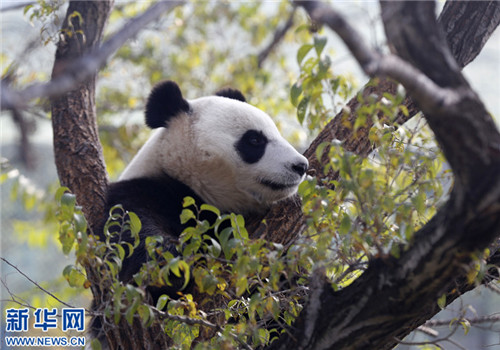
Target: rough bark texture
{"x": 394, "y": 296}
{"x": 77, "y": 149}
{"x": 468, "y": 26}
{"x": 78, "y": 152}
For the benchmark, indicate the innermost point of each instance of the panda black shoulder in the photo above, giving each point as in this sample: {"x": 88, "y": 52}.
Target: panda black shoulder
{"x": 156, "y": 200}
{"x": 164, "y": 102}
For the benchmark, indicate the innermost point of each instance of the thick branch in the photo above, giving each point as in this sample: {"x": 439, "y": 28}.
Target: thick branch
{"x": 461, "y": 114}
{"x": 420, "y": 86}
{"x": 476, "y": 33}
{"x": 393, "y": 296}
{"x": 479, "y": 17}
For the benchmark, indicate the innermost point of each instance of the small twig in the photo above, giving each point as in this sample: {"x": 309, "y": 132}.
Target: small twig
{"x": 36, "y": 284}
{"x": 14, "y": 298}
{"x": 435, "y": 341}
{"x": 472, "y": 321}
{"x": 84, "y": 67}
{"x": 278, "y": 36}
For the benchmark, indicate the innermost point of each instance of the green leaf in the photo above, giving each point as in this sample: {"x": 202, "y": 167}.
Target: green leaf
{"x": 302, "y": 109}
{"x": 442, "y": 301}
{"x": 183, "y": 266}
{"x": 211, "y": 208}
{"x": 241, "y": 285}
{"x": 129, "y": 315}
{"x": 162, "y": 301}
{"x": 214, "y": 248}
{"x": 320, "y": 149}
{"x": 27, "y": 8}
{"x": 117, "y": 302}
{"x": 295, "y": 92}
{"x": 345, "y": 225}
{"x": 319, "y": 44}
{"x": 135, "y": 223}
{"x": 419, "y": 202}
{"x": 240, "y": 226}
{"x": 302, "y": 52}
{"x": 324, "y": 65}
{"x": 80, "y": 222}
{"x": 187, "y": 215}
{"x": 466, "y": 325}
{"x": 145, "y": 313}
{"x": 74, "y": 276}
{"x": 68, "y": 200}
{"x": 59, "y": 193}
{"x": 188, "y": 201}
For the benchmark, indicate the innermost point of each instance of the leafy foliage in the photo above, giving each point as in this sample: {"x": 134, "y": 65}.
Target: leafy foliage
{"x": 247, "y": 291}
{"x": 318, "y": 92}
{"x": 46, "y": 13}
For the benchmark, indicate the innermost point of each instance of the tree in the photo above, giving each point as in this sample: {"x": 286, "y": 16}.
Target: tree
{"x": 361, "y": 314}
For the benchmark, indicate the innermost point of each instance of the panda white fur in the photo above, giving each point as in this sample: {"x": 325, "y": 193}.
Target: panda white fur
{"x": 218, "y": 149}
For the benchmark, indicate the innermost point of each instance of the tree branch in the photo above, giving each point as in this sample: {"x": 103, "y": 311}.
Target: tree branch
{"x": 69, "y": 75}
{"x": 461, "y": 108}
{"x": 34, "y": 283}
{"x": 480, "y": 17}
{"x": 276, "y": 228}
{"x": 421, "y": 87}
{"x": 278, "y": 36}
{"x": 393, "y": 296}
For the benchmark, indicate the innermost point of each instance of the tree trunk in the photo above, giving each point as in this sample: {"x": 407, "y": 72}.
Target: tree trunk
{"x": 77, "y": 149}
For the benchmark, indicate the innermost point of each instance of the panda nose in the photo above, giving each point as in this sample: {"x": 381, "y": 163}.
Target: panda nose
{"x": 300, "y": 167}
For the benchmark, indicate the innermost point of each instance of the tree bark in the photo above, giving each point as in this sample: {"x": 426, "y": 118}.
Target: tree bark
{"x": 394, "y": 296}
{"x": 78, "y": 151}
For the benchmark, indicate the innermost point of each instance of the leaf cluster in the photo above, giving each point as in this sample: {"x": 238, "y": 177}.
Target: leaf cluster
{"x": 376, "y": 203}
{"x": 317, "y": 91}
{"x": 46, "y": 13}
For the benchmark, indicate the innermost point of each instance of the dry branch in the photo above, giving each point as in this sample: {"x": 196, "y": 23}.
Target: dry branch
{"x": 277, "y": 38}
{"x": 74, "y": 72}
{"x": 393, "y": 296}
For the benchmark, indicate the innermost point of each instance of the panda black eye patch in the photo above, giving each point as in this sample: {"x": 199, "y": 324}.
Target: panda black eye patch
{"x": 251, "y": 146}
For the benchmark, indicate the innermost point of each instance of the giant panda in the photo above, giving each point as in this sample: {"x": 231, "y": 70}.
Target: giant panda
{"x": 218, "y": 149}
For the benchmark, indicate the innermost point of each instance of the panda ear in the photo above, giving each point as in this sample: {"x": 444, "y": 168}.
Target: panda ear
{"x": 231, "y": 93}
{"x": 164, "y": 102}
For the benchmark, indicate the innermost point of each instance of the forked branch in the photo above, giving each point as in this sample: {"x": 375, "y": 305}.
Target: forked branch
{"x": 394, "y": 296}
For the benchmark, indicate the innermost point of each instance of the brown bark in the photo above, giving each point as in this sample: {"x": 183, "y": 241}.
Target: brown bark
{"x": 77, "y": 149}
{"x": 394, "y": 296}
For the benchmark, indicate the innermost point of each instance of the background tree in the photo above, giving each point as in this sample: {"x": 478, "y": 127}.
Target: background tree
{"x": 426, "y": 262}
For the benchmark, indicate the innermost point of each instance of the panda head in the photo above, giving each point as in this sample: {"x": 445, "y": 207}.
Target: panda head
{"x": 227, "y": 151}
